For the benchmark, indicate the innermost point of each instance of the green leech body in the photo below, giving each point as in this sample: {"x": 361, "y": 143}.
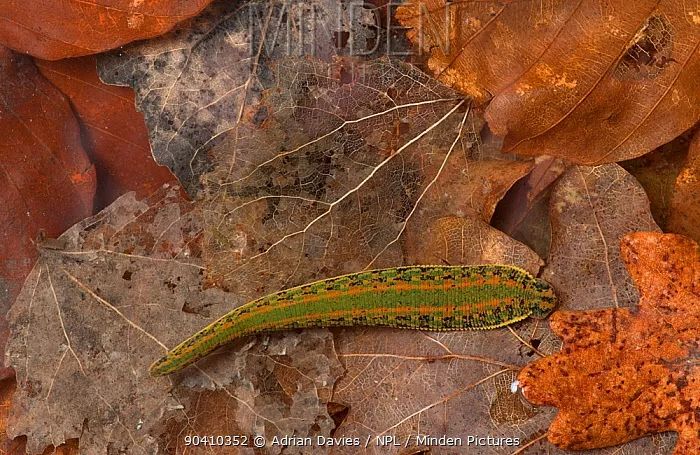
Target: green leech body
{"x": 416, "y": 297}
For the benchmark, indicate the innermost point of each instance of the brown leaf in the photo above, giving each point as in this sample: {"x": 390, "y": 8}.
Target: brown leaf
{"x": 47, "y": 182}
{"x": 114, "y": 134}
{"x": 94, "y": 315}
{"x": 406, "y": 383}
{"x": 625, "y": 373}
{"x": 18, "y": 445}
{"x": 522, "y": 213}
{"x": 591, "y": 209}
{"x": 456, "y": 240}
{"x": 287, "y": 382}
{"x": 685, "y": 205}
{"x": 657, "y": 172}
{"x": 60, "y": 29}
{"x": 559, "y": 74}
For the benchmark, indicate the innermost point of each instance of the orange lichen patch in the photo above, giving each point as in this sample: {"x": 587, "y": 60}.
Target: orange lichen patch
{"x": 87, "y": 177}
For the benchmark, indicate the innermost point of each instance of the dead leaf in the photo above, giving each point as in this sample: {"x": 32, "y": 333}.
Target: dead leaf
{"x": 657, "y": 172}
{"x": 114, "y": 134}
{"x": 92, "y": 317}
{"x": 194, "y": 85}
{"x": 456, "y": 240}
{"x": 523, "y": 211}
{"x": 47, "y": 182}
{"x": 685, "y": 206}
{"x": 623, "y": 372}
{"x": 550, "y": 68}
{"x": 403, "y": 384}
{"x": 325, "y": 185}
{"x": 406, "y": 383}
{"x": 591, "y": 209}
{"x": 348, "y": 157}
{"x": 60, "y": 29}
{"x": 18, "y": 445}
{"x": 284, "y": 383}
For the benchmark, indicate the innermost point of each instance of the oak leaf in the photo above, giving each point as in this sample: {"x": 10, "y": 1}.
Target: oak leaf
{"x": 548, "y": 69}
{"x": 627, "y": 372}
{"x": 59, "y": 28}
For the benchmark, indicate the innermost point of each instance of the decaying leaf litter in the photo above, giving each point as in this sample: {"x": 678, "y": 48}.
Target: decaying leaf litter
{"x": 310, "y": 209}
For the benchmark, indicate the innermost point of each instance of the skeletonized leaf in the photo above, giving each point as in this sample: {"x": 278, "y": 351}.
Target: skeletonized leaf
{"x": 194, "y": 84}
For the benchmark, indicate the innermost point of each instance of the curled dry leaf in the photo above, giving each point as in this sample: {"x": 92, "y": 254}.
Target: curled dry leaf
{"x": 623, "y": 372}
{"x": 522, "y": 213}
{"x": 71, "y": 28}
{"x": 591, "y": 209}
{"x": 548, "y": 69}
{"x": 685, "y": 204}
{"x": 47, "y": 182}
{"x": 94, "y": 315}
{"x": 114, "y": 134}
{"x": 195, "y": 84}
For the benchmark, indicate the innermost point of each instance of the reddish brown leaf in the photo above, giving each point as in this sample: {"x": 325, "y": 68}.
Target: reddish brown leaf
{"x": 69, "y": 28}
{"x": 624, "y": 373}
{"x": 114, "y": 133}
{"x": 685, "y": 205}
{"x": 560, "y": 74}
{"x": 46, "y": 180}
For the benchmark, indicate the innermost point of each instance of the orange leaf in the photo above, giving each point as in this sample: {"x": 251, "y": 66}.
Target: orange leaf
{"x": 114, "y": 133}
{"x": 47, "y": 183}
{"x": 625, "y": 373}
{"x": 559, "y": 74}
{"x": 69, "y": 28}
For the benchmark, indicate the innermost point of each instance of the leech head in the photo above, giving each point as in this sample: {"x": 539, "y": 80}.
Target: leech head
{"x": 545, "y": 303}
